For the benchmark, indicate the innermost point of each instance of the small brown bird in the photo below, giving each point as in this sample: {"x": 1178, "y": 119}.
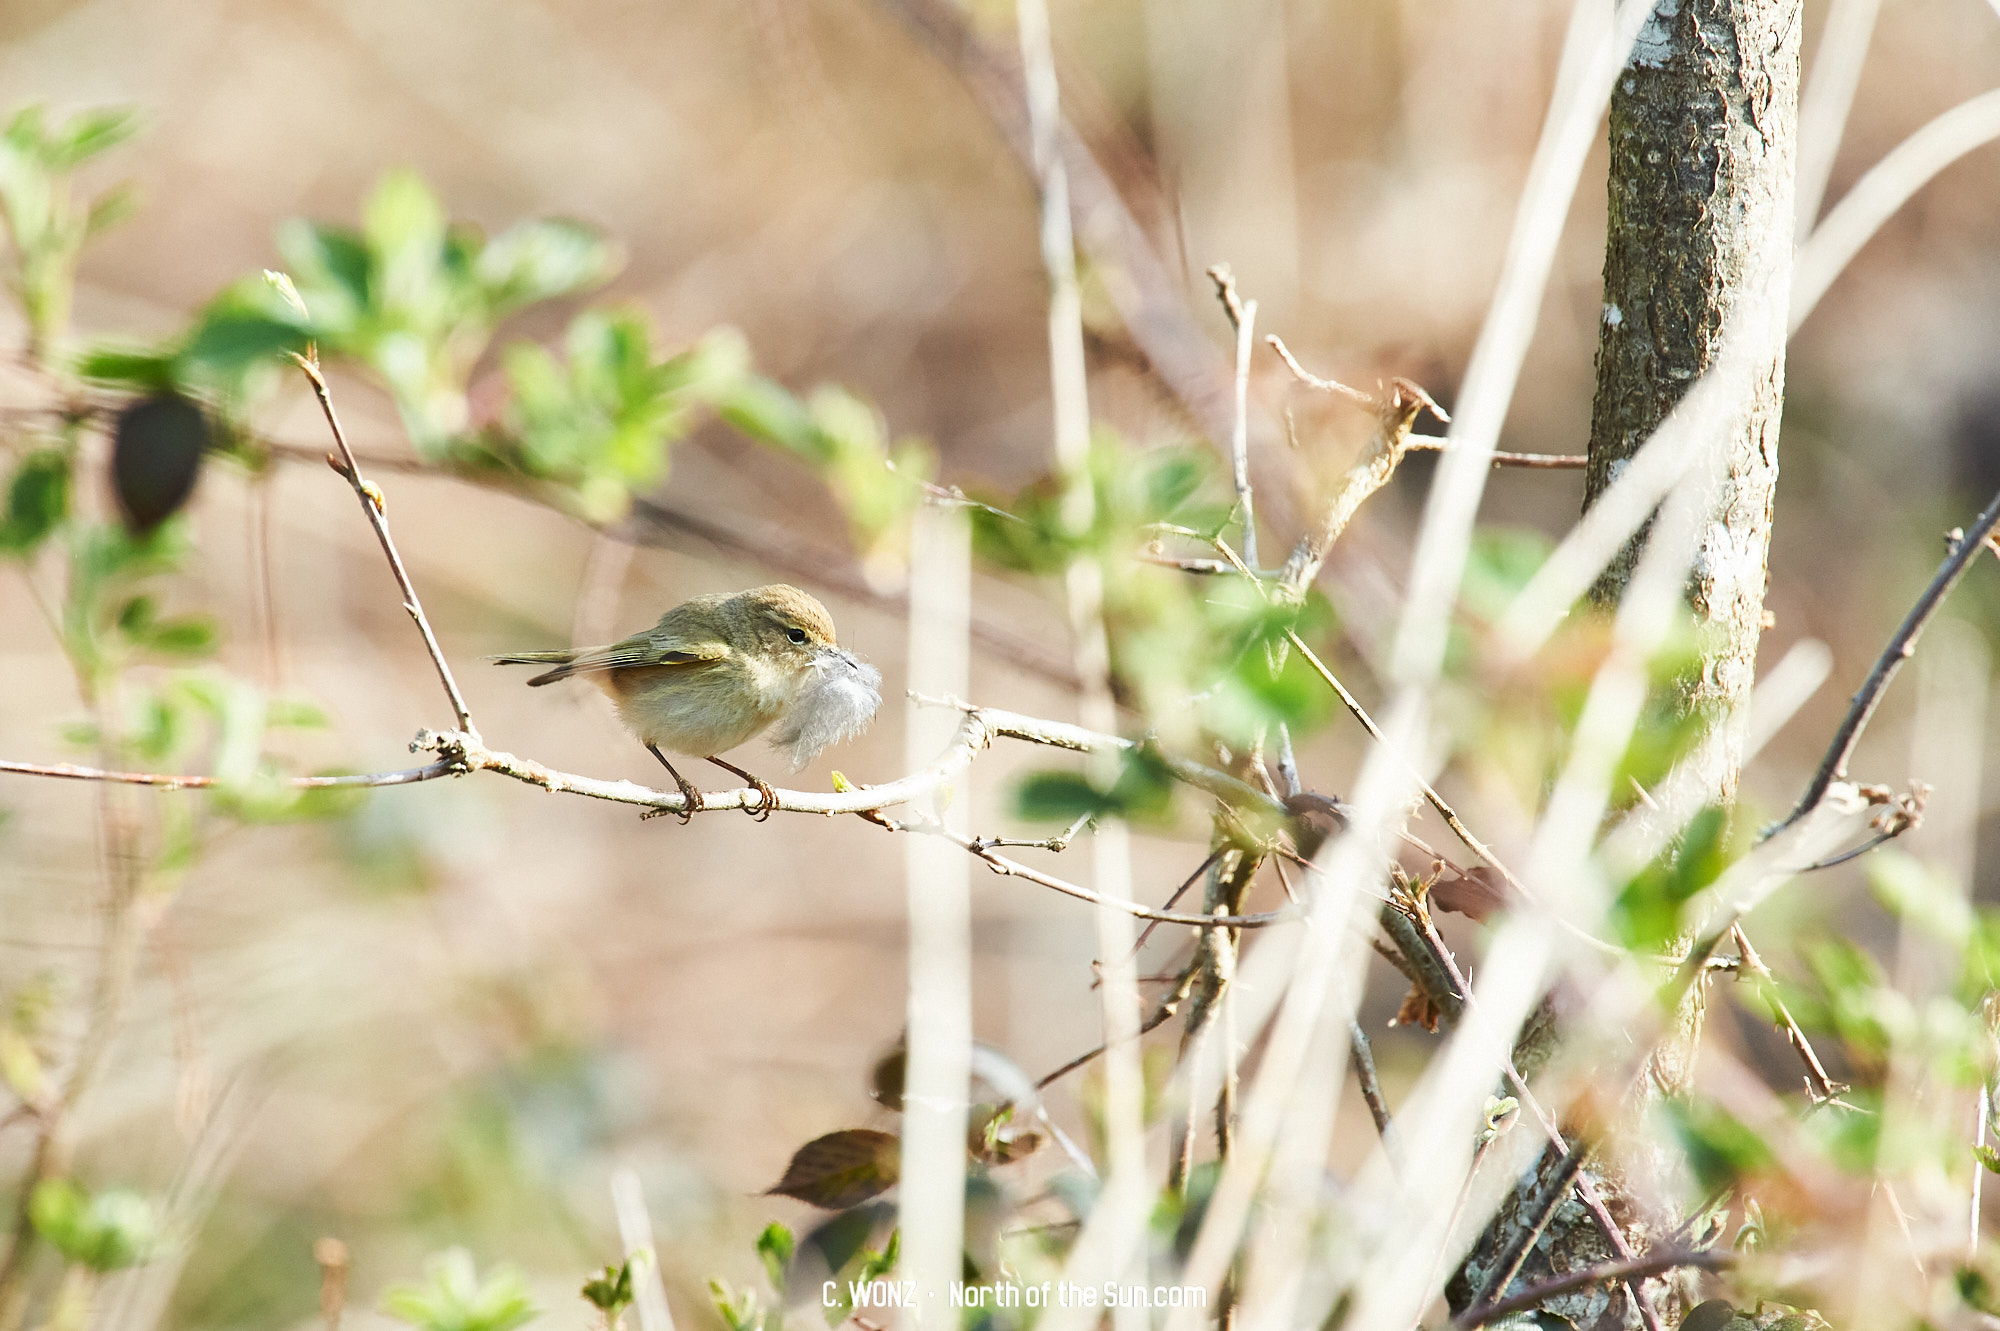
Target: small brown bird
{"x": 719, "y": 670}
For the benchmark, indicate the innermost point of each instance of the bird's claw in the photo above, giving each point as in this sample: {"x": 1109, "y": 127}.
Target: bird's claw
{"x": 767, "y": 800}
{"x": 691, "y": 802}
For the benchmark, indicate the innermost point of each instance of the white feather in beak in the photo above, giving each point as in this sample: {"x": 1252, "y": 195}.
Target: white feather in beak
{"x": 837, "y": 703}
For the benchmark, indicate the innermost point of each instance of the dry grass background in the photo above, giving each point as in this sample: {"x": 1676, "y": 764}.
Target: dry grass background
{"x": 449, "y": 1018}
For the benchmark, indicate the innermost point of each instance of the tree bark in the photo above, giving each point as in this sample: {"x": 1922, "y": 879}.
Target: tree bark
{"x": 1703, "y": 124}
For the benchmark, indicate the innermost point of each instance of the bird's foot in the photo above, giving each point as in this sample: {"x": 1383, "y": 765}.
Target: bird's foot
{"x": 767, "y": 798}
{"x": 691, "y": 801}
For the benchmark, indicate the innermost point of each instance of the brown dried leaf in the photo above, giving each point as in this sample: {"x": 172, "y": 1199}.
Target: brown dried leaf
{"x": 1417, "y": 1010}
{"x": 1480, "y": 893}
{"x": 842, "y": 1169}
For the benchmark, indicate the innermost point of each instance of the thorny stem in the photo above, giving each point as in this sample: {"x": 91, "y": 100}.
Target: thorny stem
{"x": 1822, "y": 1087}
{"x": 371, "y": 505}
{"x": 1901, "y": 646}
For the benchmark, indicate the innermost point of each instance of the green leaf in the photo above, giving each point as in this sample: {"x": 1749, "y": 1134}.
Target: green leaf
{"x": 156, "y": 458}
{"x": 775, "y": 1246}
{"x": 1921, "y": 894}
{"x": 90, "y": 133}
{"x": 539, "y": 260}
{"x": 1720, "y": 1149}
{"x": 105, "y": 1232}
{"x": 842, "y": 1168}
{"x": 37, "y": 501}
{"x": 1143, "y": 792}
{"x": 1988, "y": 1157}
{"x": 1648, "y": 911}
{"x": 611, "y": 1291}
{"x": 452, "y": 1297}
{"x": 187, "y": 635}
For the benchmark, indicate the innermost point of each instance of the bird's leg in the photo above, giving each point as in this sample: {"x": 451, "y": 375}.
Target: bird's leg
{"x": 768, "y": 796}
{"x": 687, "y": 788}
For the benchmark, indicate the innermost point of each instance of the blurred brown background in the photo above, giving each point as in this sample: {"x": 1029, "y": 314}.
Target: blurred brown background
{"x": 448, "y": 1018}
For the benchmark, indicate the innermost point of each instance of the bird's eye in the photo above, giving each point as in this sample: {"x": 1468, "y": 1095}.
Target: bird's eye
{"x": 797, "y": 635}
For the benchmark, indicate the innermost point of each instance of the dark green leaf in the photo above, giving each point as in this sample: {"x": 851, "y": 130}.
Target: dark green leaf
{"x": 37, "y": 501}
{"x": 156, "y": 458}
{"x": 611, "y": 1291}
{"x": 842, "y": 1168}
{"x": 1648, "y": 910}
{"x": 1713, "y": 1315}
{"x": 1143, "y": 792}
{"x": 1720, "y": 1149}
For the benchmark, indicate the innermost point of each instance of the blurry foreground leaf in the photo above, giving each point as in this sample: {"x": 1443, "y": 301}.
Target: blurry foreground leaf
{"x": 611, "y": 1291}
{"x": 37, "y": 500}
{"x": 452, "y": 1297}
{"x": 775, "y": 1246}
{"x": 1143, "y": 791}
{"x": 105, "y": 1232}
{"x": 156, "y": 458}
{"x": 842, "y": 1168}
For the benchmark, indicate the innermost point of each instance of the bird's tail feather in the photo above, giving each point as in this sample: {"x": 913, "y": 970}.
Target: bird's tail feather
{"x": 562, "y": 661}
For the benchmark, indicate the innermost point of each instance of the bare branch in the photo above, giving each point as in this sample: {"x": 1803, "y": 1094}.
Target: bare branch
{"x": 1822, "y": 1087}
{"x": 1243, "y": 318}
{"x": 164, "y": 781}
{"x": 1965, "y": 548}
{"x": 372, "y": 506}
{"x": 1630, "y": 1270}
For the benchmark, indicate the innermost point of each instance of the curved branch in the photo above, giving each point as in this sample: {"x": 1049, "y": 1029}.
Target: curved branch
{"x": 466, "y": 753}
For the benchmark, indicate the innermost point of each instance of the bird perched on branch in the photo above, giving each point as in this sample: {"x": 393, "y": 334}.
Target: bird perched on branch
{"x": 718, "y": 670}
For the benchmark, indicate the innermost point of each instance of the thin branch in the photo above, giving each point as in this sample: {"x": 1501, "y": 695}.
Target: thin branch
{"x": 1430, "y": 443}
{"x": 1363, "y": 1059}
{"x": 1629, "y": 1270}
{"x": 1432, "y": 947}
{"x": 1423, "y": 442}
{"x": 1542, "y": 1208}
{"x": 372, "y": 505}
{"x": 1168, "y": 1006}
{"x": 1243, "y": 319}
{"x": 1902, "y": 645}
{"x": 1396, "y": 410}
{"x": 465, "y": 753}
{"x": 1431, "y": 796}
{"x": 164, "y": 781}
{"x": 1822, "y": 1087}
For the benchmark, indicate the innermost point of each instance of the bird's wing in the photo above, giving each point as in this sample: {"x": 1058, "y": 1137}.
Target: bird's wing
{"x": 654, "y": 648}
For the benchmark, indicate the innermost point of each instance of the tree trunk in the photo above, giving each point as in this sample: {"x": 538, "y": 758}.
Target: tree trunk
{"x": 1703, "y": 122}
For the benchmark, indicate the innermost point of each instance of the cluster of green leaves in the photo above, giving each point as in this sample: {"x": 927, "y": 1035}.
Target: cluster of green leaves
{"x": 415, "y": 301}
{"x": 47, "y": 225}
{"x": 1196, "y": 657}
{"x": 104, "y": 1231}
{"x": 453, "y": 1297}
